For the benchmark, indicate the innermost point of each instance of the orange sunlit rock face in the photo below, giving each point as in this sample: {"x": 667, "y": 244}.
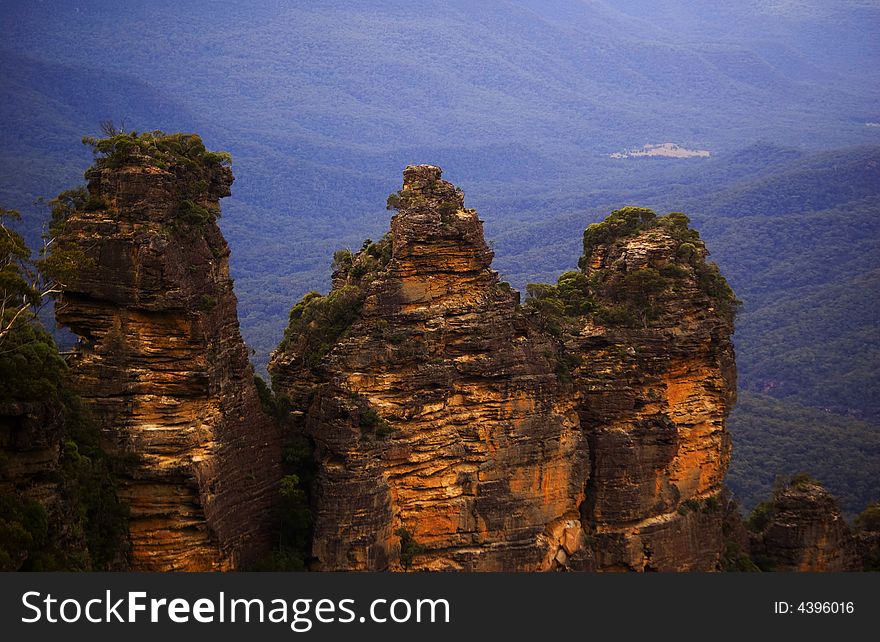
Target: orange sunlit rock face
{"x": 501, "y": 446}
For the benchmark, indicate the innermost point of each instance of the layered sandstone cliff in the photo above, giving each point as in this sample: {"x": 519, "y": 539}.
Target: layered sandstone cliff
{"x": 160, "y": 359}
{"x": 802, "y": 529}
{"x": 656, "y": 382}
{"x": 455, "y": 429}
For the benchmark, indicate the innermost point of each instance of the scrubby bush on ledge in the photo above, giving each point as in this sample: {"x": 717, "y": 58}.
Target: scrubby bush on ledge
{"x": 160, "y": 149}
{"x": 629, "y": 298}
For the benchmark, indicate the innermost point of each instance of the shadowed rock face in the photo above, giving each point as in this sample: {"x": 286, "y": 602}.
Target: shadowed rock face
{"x": 445, "y": 409}
{"x": 806, "y": 532}
{"x": 162, "y": 364}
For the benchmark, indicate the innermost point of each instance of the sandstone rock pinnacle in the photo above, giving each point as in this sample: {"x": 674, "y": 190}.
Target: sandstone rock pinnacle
{"x": 160, "y": 360}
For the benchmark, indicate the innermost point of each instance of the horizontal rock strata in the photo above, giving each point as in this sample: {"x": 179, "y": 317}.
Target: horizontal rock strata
{"x": 455, "y": 430}
{"x": 161, "y": 362}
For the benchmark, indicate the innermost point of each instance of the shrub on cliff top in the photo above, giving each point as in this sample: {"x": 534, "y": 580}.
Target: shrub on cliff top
{"x": 801, "y": 481}
{"x": 317, "y": 322}
{"x": 629, "y": 221}
{"x": 184, "y": 154}
{"x": 552, "y": 306}
{"x": 371, "y": 260}
{"x": 161, "y": 149}
{"x": 632, "y": 295}
{"x": 620, "y": 223}
{"x": 638, "y": 291}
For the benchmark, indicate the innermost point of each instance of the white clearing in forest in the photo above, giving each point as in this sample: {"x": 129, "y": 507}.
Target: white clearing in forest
{"x": 663, "y": 150}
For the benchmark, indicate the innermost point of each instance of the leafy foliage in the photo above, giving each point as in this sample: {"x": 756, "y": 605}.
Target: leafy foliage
{"x": 409, "y": 547}
{"x": 869, "y": 519}
{"x": 765, "y": 512}
{"x": 394, "y": 201}
{"x": 733, "y": 559}
{"x": 35, "y": 373}
{"x": 166, "y": 151}
{"x": 375, "y": 423}
{"x": 207, "y": 302}
{"x": 25, "y": 284}
{"x": 191, "y": 213}
{"x": 635, "y": 297}
{"x": 24, "y": 529}
{"x": 546, "y": 307}
{"x": 14, "y": 263}
{"x": 317, "y": 322}
{"x": 553, "y": 306}
{"x": 183, "y": 154}
{"x": 629, "y": 297}
{"x": 91, "y": 482}
{"x": 294, "y": 528}
{"x": 635, "y": 294}
{"x": 761, "y": 516}
{"x": 30, "y": 366}
{"x": 621, "y": 223}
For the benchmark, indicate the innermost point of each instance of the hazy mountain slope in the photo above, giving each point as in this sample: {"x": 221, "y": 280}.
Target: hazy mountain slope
{"x": 801, "y": 246}
{"x": 801, "y": 36}
{"x": 321, "y": 103}
{"x": 772, "y": 438}
{"x": 818, "y": 346}
{"x": 818, "y": 181}
{"x": 47, "y": 108}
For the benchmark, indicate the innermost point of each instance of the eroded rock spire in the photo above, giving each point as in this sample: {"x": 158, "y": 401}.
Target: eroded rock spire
{"x": 160, "y": 359}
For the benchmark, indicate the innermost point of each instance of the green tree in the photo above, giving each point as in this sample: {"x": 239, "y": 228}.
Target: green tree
{"x": 19, "y": 281}
{"x": 409, "y": 547}
{"x": 25, "y": 284}
{"x": 869, "y": 519}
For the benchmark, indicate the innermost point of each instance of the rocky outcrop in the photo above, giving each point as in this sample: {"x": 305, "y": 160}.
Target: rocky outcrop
{"x": 656, "y": 382}
{"x": 801, "y": 529}
{"x": 438, "y": 412}
{"x": 160, "y": 359}
{"x": 868, "y": 547}
{"x": 456, "y": 429}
